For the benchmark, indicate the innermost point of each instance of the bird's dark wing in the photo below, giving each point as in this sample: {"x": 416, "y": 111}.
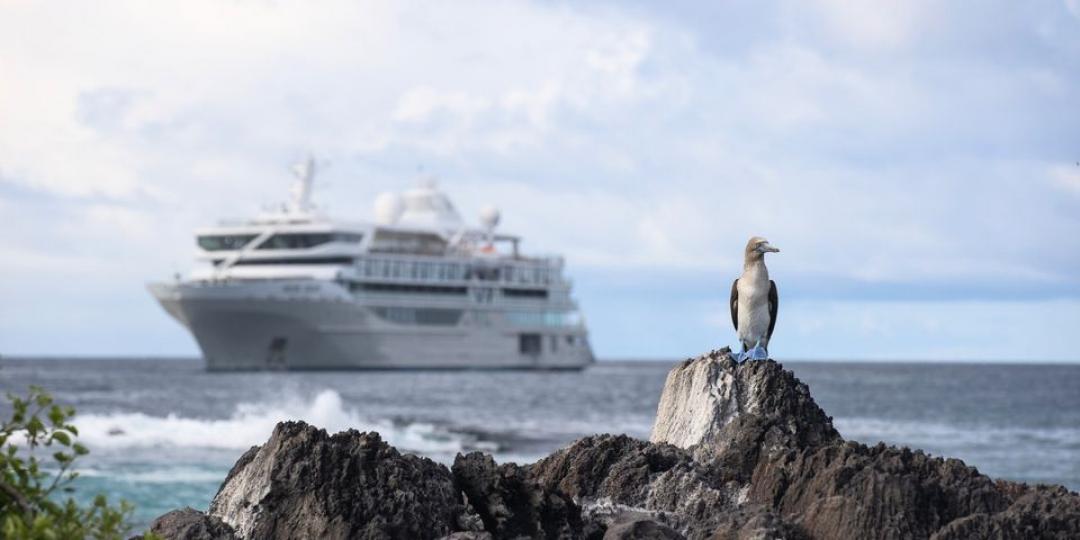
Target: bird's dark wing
{"x": 735, "y": 304}
{"x": 774, "y": 302}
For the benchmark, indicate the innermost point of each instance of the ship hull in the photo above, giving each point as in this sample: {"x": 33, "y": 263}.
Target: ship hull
{"x": 311, "y": 325}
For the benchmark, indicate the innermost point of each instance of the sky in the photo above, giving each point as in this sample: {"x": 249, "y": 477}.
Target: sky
{"x": 917, "y": 163}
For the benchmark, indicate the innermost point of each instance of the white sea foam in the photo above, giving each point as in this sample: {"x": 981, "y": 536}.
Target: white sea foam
{"x": 158, "y": 475}
{"x": 251, "y": 424}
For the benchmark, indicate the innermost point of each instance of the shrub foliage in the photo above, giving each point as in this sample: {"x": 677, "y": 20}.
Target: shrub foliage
{"x": 38, "y": 448}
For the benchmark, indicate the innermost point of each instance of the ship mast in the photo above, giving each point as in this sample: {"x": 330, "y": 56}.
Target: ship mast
{"x": 301, "y": 191}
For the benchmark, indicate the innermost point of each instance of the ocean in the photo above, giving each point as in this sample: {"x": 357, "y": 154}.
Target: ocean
{"x": 163, "y": 433}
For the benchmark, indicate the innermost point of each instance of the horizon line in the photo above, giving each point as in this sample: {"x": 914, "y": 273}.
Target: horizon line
{"x": 603, "y": 360}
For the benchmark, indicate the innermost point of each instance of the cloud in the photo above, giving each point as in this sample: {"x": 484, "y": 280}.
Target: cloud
{"x": 881, "y": 24}
{"x": 419, "y": 103}
{"x": 1066, "y": 177}
{"x": 1073, "y": 6}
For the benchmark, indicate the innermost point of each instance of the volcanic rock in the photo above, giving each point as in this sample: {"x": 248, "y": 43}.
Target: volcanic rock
{"x": 641, "y": 529}
{"x": 752, "y": 455}
{"x": 612, "y": 474}
{"x": 737, "y": 411}
{"x": 739, "y": 451}
{"x": 1034, "y": 512}
{"x": 513, "y": 506}
{"x": 191, "y": 524}
{"x": 304, "y": 483}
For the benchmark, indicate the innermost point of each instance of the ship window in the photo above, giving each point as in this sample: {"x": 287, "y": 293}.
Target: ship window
{"x": 296, "y": 260}
{"x": 525, "y": 293}
{"x": 400, "y": 288}
{"x": 220, "y": 242}
{"x": 407, "y": 242}
{"x": 454, "y": 271}
{"x": 484, "y": 295}
{"x": 420, "y": 316}
{"x": 296, "y": 240}
{"x": 482, "y": 273}
{"x": 542, "y": 318}
{"x": 529, "y": 344}
{"x": 349, "y": 238}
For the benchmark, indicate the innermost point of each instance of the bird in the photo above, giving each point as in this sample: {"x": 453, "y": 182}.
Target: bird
{"x": 754, "y": 301}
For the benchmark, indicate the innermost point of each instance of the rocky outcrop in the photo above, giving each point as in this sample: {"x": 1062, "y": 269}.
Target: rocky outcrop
{"x": 742, "y": 450}
{"x": 610, "y": 475}
{"x": 738, "y": 411}
{"x": 851, "y": 489}
{"x": 304, "y": 483}
{"x": 641, "y": 529}
{"x": 738, "y": 452}
{"x": 1035, "y": 512}
{"x": 758, "y": 458}
{"x": 191, "y": 524}
{"x": 511, "y": 505}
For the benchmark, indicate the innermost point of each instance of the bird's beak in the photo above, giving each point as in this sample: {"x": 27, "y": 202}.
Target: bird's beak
{"x": 767, "y": 248}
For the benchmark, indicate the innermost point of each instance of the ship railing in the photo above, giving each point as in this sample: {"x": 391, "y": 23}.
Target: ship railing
{"x": 532, "y": 272}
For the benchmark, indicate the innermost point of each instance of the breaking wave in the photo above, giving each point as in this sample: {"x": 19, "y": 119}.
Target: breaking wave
{"x": 160, "y": 474}
{"x": 251, "y": 424}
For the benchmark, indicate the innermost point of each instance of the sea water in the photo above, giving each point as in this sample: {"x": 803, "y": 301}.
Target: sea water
{"x": 163, "y": 433}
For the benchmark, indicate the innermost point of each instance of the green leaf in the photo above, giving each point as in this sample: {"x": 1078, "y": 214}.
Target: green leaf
{"x": 56, "y": 415}
{"x": 61, "y": 437}
{"x": 35, "y": 426}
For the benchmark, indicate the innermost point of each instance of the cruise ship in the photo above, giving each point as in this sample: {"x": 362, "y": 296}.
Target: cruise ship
{"x": 416, "y": 287}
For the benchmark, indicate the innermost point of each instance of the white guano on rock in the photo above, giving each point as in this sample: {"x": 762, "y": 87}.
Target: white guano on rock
{"x": 237, "y": 501}
{"x": 700, "y": 397}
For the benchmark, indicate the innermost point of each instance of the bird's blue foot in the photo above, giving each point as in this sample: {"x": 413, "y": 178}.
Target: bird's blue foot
{"x": 757, "y": 353}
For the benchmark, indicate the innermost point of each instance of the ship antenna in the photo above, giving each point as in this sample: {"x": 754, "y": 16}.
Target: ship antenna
{"x": 305, "y": 175}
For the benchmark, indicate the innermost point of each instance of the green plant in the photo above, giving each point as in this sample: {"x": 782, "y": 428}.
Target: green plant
{"x": 30, "y": 505}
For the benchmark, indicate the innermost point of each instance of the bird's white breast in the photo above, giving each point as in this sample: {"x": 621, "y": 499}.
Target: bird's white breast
{"x": 754, "y": 317}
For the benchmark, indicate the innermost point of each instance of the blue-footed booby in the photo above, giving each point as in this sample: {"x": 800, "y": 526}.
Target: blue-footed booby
{"x": 754, "y": 302}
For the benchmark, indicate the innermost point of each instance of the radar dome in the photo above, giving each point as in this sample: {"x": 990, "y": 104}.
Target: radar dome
{"x": 388, "y": 208}
{"x": 489, "y": 217}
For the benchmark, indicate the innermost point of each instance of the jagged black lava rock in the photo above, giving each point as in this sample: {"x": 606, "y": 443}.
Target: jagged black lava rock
{"x": 738, "y": 451}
